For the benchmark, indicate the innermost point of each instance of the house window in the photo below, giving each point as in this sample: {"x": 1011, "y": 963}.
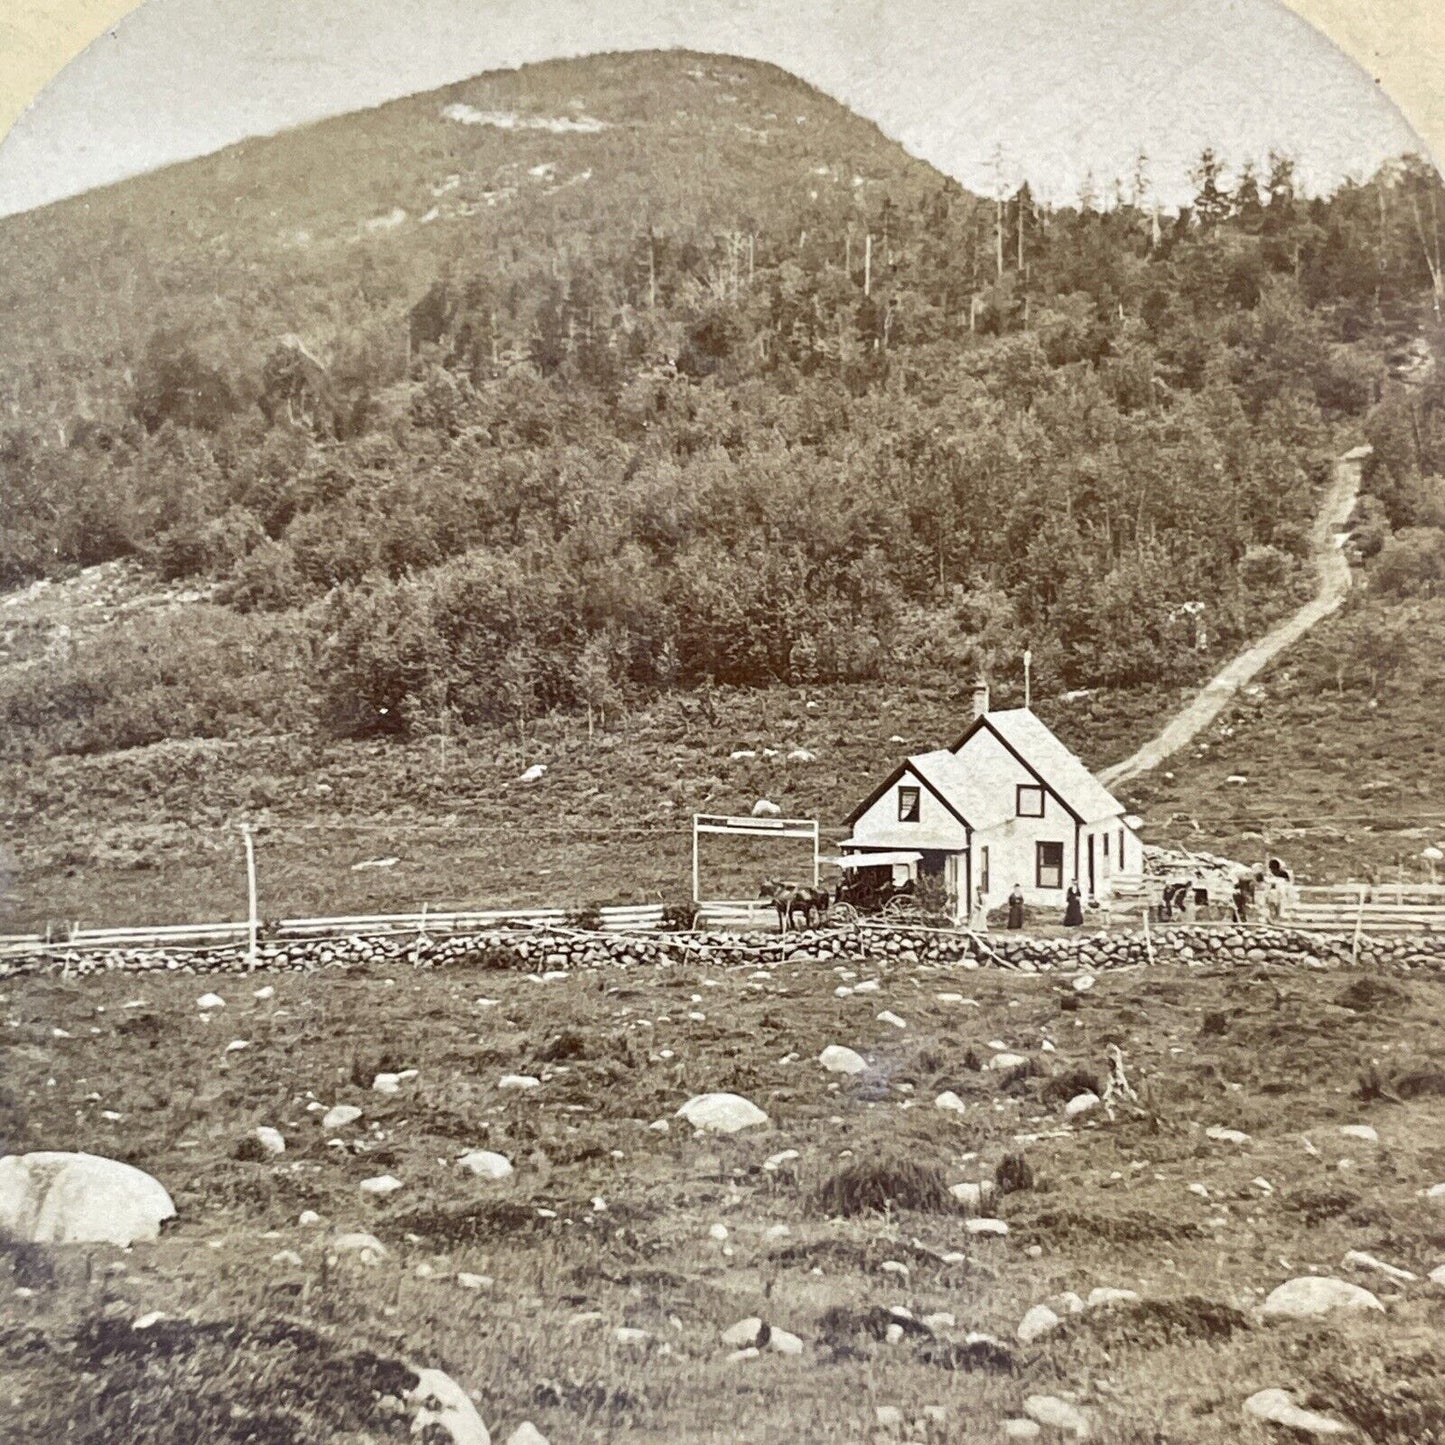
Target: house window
{"x": 908, "y": 804}
{"x": 1106, "y": 847}
{"x": 1030, "y": 801}
{"x": 1121, "y": 850}
{"x": 1049, "y": 865}
{"x": 983, "y": 869}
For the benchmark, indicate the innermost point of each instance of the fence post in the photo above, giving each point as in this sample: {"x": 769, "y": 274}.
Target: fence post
{"x": 250, "y": 897}
{"x": 1359, "y": 924}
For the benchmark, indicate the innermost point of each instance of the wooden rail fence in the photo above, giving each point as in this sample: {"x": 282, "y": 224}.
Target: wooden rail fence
{"x": 625, "y": 918}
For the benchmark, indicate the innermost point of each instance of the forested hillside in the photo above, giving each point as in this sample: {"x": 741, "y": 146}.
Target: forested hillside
{"x": 568, "y": 386}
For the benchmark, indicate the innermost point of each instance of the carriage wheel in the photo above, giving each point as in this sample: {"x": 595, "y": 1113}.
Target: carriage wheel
{"x": 843, "y": 913}
{"x": 901, "y": 908}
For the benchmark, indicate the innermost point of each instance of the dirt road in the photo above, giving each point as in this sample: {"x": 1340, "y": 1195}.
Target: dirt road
{"x": 1334, "y": 584}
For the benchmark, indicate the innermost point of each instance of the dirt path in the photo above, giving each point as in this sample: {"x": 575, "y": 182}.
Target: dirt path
{"x": 1334, "y": 584}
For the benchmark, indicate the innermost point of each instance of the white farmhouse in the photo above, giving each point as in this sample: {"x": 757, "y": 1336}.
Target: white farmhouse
{"x": 1007, "y": 804}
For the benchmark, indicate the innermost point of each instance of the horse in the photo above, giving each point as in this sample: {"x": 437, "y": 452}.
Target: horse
{"x": 790, "y": 899}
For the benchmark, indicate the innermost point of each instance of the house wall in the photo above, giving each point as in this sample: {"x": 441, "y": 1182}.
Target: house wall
{"x": 1012, "y": 843}
{"x": 936, "y": 826}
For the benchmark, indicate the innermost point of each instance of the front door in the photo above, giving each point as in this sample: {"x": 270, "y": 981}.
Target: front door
{"x": 1092, "y": 889}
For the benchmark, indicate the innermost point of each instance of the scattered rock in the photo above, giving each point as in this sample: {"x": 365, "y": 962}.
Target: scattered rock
{"x": 485, "y": 1165}
{"x": 764, "y": 808}
{"x": 1358, "y": 1259}
{"x": 59, "y": 1198}
{"x": 985, "y": 1226}
{"x": 839, "y": 1060}
{"x": 774, "y": 1162}
{"x": 307, "y": 1218}
{"x": 519, "y": 1081}
{"x": 1437, "y": 1275}
{"x": 1277, "y": 1407}
{"x": 721, "y": 1113}
{"x": 1081, "y": 1104}
{"x": 1226, "y": 1136}
{"x": 1036, "y": 1323}
{"x": 477, "y": 1281}
{"x": 210, "y": 1001}
{"x": 626, "y": 1335}
{"x": 1057, "y": 1414}
{"x": 1311, "y": 1296}
{"x": 367, "y": 1247}
{"x": 888, "y": 1017}
{"x": 386, "y": 1083}
{"x": 440, "y": 1401}
{"x": 1021, "y": 1430}
{"x": 890, "y": 1417}
{"x": 380, "y": 1184}
{"x": 267, "y": 991}
{"x": 271, "y": 1140}
{"x": 339, "y": 1116}
{"x": 1083, "y": 983}
{"x": 287, "y": 1256}
{"x": 1007, "y": 1061}
{"x": 950, "y": 1101}
{"x": 534, "y": 774}
{"x": 1360, "y": 1131}
{"x": 527, "y": 1434}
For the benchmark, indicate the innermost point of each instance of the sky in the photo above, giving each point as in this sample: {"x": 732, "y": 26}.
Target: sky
{"x": 989, "y": 91}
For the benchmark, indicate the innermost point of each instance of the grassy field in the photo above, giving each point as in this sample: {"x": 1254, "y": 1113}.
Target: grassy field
{"x": 613, "y": 1222}
{"x": 1335, "y": 759}
{"x": 149, "y": 836}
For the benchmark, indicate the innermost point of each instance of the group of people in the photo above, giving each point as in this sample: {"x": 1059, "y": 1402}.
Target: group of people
{"x": 1073, "y": 908}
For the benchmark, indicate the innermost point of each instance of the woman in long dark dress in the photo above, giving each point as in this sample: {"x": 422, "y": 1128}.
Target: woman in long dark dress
{"x": 1016, "y": 907}
{"x": 1073, "y": 906}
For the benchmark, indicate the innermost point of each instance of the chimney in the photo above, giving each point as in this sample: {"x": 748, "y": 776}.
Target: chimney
{"x": 980, "y": 696}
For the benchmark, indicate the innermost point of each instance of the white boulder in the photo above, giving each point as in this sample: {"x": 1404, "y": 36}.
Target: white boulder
{"x": 380, "y": 1184}
{"x": 1103, "y": 1297}
{"x": 1365, "y": 1132}
{"x": 1277, "y": 1407}
{"x": 271, "y": 1140}
{"x": 1007, "y": 1061}
{"x": 1311, "y": 1296}
{"x": 839, "y": 1060}
{"x": 950, "y": 1101}
{"x": 1057, "y": 1414}
{"x": 534, "y": 774}
{"x": 721, "y": 1113}
{"x": 485, "y": 1165}
{"x": 764, "y": 808}
{"x": 210, "y": 1001}
{"x": 58, "y": 1198}
{"x": 1036, "y": 1323}
{"x": 339, "y": 1116}
{"x": 440, "y": 1401}
{"x": 527, "y": 1434}
{"x": 519, "y": 1081}
{"x": 1081, "y": 1104}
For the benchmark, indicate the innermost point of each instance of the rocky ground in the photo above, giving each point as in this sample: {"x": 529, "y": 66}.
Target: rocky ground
{"x": 952, "y": 1229}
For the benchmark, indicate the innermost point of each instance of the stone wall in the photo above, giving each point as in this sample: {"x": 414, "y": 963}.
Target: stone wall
{"x": 544, "y": 950}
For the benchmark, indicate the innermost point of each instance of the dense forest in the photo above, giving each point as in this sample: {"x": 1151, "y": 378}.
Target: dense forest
{"x": 570, "y": 385}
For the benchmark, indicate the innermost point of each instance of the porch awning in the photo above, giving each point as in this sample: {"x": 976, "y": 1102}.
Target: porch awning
{"x": 873, "y": 860}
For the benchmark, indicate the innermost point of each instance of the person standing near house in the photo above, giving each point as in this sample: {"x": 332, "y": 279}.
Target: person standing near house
{"x": 1016, "y": 907}
{"x": 978, "y": 919}
{"x": 1073, "y": 906}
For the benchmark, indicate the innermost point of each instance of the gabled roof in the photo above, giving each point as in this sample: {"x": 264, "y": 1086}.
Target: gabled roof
{"x": 949, "y": 781}
{"x": 1043, "y": 754}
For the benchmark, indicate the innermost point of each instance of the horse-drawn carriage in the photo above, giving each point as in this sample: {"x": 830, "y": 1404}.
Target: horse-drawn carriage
{"x": 877, "y": 885}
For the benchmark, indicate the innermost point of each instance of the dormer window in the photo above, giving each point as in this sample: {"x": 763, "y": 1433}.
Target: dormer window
{"x": 1029, "y": 801}
{"x": 908, "y": 804}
